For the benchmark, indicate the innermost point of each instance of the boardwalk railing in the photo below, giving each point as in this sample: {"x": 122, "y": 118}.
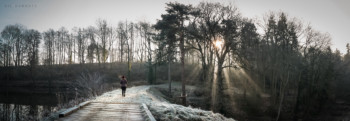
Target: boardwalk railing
{"x": 72, "y": 109}
{"x": 149, "y": 114}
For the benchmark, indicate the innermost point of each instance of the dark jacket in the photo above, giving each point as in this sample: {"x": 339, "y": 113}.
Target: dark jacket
{"x": 123, "y": 82}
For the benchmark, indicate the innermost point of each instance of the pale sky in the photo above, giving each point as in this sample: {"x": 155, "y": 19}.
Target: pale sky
{"x": 332, "y": 16}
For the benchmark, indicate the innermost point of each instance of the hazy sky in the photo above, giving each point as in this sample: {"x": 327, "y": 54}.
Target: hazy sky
{"x": 332, "y": 16}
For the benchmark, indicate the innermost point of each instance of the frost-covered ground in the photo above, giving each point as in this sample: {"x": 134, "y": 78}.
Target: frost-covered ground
{"x": 160, "y": 108}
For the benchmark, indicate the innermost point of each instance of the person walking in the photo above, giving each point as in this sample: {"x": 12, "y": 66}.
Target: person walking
{"x": 123, "y": 84}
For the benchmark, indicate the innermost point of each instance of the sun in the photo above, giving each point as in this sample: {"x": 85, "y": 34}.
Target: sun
{"x": 218, "y": 44}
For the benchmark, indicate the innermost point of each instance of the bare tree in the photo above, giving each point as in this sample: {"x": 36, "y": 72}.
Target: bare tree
{"x": 48, "y": 44}
{"x": 92, "y": 48}
{"x": 32, "y": 39}
{"x": 103, "y": 33}
{"x": 13, "y": 43}
{"x": 81, "y": 42}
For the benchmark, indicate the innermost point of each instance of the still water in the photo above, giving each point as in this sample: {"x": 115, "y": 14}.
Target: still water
{"x": 33, "y": 106}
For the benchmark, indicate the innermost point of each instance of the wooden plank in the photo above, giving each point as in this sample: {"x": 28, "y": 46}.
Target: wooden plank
{"x": 83, "y": 104}
{"x": 72, "y": 109}
{"x": 68, "y": 111}
{"x": 107, "y": 112}
{"x": 116, "y": 103}
{"x": 149, "y": 114}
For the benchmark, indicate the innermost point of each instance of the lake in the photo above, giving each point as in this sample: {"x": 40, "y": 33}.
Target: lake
{"x": 25, "y": 106}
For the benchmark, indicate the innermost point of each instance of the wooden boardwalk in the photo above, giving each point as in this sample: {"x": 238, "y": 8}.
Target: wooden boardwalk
{"x": 106, "y": 112}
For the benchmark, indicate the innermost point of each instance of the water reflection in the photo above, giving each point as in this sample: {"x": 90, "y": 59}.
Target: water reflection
{"x": 15, "y": 112}
{"x": 33, "y": 107}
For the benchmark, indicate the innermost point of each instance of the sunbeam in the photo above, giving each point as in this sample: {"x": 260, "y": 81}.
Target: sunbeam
{"x": 194, "y": 73}
{"x": 213, "y": 89}
{"x": 227, "y": 78}
{"x": 250, "y": 82}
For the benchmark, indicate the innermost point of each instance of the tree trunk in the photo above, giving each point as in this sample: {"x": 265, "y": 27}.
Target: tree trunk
{"x": 220, "y": 87}
{"x": 129, "y": 63}
{"x": 182, "y": 49}
{"x": 296, "y": 108}
{"x": 169, "y": 76}
{"x": 283, "y": 87}
{"x": 155, "y": 72}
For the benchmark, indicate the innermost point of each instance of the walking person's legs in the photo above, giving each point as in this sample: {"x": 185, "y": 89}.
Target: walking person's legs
{"x": 123, "y": 91}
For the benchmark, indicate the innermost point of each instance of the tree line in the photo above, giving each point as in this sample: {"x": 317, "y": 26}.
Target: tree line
{"x": 284, "y": 58}
{"x": 287, "y": 60}
{"x": 94, "y": 44}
